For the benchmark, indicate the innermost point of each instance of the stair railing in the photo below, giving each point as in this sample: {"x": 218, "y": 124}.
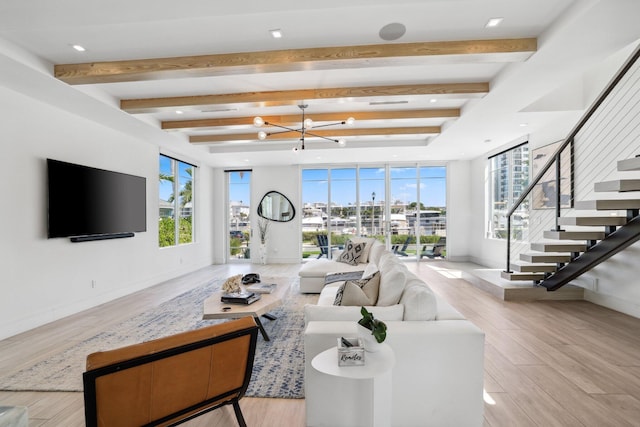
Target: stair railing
{"x": 556, "y": 157}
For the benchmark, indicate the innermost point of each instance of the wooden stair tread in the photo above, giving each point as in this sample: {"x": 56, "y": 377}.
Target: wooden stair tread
{"x": 521, "y": 276}
{"x": 632, "y": 164}
{"x": 619, "y": 185}
{"x": 589, "y": 221}
{"x": 614, "y": 204}
{"x": 574, "y": 235}
{"x": 558, "y": 247}
{"x": 534, "y": 268}
{"x": 545, "y": 257}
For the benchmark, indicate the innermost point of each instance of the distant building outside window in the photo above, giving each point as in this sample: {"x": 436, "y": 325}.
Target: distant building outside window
{"x": 508, "y": 178}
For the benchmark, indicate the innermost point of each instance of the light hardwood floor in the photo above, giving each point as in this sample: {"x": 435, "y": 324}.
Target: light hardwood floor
{"x": 551, "y": 363}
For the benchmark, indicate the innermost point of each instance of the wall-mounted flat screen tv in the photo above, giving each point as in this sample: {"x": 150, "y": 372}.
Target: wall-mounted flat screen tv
{"x": 85, "y": 201}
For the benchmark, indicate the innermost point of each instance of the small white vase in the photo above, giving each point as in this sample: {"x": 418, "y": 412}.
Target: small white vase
{"x": 263, "y": 253}
{"x": 371, "y": 345}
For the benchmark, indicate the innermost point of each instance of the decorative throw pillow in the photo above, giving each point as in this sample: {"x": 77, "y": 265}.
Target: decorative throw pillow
{"x": 350, "y": 294}
{"x": 359, "y": 292}
{"x": 392, "y": 283}
{"x": 352, "y": 253}
{"x": 419, "y": 302}
{"x": 368, "y": 241}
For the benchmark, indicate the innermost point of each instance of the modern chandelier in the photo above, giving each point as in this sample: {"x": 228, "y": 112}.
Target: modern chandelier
{"x": 303, "y": 131}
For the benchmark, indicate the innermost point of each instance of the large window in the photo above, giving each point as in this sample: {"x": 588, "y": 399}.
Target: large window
{"x": 372, "y": 182}
{"x": 176, "y": 204}
{"x": 339, "y": 203}
{"x": 239, "y": 212}
{"x": 508, "y": 178}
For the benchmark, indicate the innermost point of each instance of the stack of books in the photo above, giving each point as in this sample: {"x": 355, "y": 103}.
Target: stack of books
{"x": 262, "y": 288}
{"x": 240, "y": 298}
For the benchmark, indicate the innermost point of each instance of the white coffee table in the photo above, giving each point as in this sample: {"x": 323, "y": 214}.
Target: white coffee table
{"x": 377, "y": 366}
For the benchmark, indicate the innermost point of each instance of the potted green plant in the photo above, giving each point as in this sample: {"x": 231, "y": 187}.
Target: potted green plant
{"x": 372, "y": 328}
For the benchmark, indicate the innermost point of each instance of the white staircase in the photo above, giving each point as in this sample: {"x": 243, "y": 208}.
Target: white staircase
{"x": 562, "y": 248}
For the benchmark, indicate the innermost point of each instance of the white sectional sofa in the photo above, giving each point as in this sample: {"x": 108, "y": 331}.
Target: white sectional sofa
{"x": 437, "y": 379}
{"x": 312, "y": 274}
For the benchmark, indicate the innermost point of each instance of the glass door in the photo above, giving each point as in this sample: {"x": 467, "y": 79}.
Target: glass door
{"x": 343, "y": 206}
{"x": 401, "y": 206}
{"x": 238, "y": 211}
{"x": 373, "y": 203}
{"x": 418, "y": 212}
{"x": 405, "y": 235}
{"x": 315, "y": 198}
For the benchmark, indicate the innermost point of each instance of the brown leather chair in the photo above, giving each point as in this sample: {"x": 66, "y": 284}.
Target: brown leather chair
{"x": 171, "y": 380}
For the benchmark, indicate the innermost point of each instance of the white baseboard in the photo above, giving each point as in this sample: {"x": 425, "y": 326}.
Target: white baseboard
{"x": 68, "y": 308}
{"x": 614, "y": 303}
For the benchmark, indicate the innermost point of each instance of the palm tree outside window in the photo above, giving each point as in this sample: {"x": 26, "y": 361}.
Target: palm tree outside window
{"x": 175, "y": 212}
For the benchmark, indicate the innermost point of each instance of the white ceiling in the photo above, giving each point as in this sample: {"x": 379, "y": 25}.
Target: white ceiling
{"x": 574, "y": 36}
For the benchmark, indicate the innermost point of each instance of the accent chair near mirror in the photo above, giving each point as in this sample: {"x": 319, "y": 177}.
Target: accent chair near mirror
{"x": 275, "y": 206}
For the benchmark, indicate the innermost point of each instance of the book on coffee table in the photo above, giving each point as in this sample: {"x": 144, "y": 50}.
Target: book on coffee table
{"x": 240, "y": 297}
{"x": 262, "y": 288}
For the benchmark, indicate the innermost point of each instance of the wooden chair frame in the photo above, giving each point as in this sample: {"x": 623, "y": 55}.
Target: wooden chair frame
{"x": 230, "y": 397}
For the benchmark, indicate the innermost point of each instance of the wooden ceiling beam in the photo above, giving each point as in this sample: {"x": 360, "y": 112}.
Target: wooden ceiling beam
{"x": 317, "y": 117}
{"x": 291, "y": 97}
{"x": 208, "y": 139}
{"x": 363, "y": 56}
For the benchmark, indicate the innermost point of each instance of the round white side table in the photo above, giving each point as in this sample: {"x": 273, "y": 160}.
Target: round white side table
{"x": 377, "y": 367}
{"x": 14, "y": 416}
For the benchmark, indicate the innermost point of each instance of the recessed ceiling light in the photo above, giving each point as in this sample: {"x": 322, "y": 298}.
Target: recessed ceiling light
{"x": 276, "y": 34}
{"x": 78, "y": 48}
{"x": 432, "y": 100}
{"x": 524, "y": 125}
{"x": 179, "y": 112}
{"x": 493, "y": 22}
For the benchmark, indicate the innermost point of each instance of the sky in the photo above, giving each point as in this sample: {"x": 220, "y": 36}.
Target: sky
{"x": 404, "y": 185}
{"x": 166, "y": 187}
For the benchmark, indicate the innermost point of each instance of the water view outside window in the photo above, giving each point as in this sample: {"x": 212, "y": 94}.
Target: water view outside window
{"x": 176, "y": 202}
{"x": 432, "y": 195}
{"x": 239, "y": 210}
{"x": 372, "y": 202}
{"x": 343, "y": 204}
{"x": 339, "y": 203}
{"x": 315, "y": 199}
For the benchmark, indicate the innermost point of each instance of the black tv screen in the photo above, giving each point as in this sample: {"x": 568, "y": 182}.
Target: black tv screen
{"x": 85, "y": 201}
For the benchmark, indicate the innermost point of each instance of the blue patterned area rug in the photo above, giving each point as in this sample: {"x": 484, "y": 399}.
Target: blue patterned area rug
{"x": 278, "y": 367}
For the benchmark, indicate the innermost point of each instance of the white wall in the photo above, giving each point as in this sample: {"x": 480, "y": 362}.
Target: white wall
{"x": 283, "y": 238}
{"x": 459, "y": 210}
{"x": 218, "y": 218}
{"x": 483, "y": 251}
{"x": 46, "y": 279}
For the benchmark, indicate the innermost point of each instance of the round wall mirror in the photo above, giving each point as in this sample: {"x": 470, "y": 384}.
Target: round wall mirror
{"x": 276, "y": 207}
